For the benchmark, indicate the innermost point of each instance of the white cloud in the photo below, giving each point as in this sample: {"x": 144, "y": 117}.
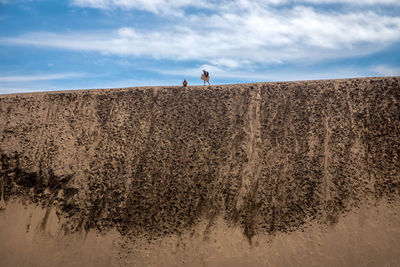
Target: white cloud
{"x": 29, "y": 78}
{"x": 350, "y": 2}
{"x": 384, "y": 70}
{"x": 163, "y": 6}
{"x": 13, "y": 1}
{"x": 238, "y": 37}
{"x": 48, "y": 85}
{"x": 155, "y": 6}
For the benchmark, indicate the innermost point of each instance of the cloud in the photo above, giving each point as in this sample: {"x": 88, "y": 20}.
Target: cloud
{"x": 154, "y": 6}
{"x": 29, "y": 78}
{"x": 245, "y": 35}
{"x": 41, "y": 85}
{"x": 13, "y": 1}
{"x": 162, "y": 6}
{"x": 385, "y": 70}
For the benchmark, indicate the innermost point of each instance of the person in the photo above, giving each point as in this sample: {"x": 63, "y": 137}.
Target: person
{"x": 184, "y": 83}
{"x": 205, "y": 77}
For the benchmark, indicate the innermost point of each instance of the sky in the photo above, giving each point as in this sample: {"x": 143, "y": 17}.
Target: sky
{"x": 48, "y": 45}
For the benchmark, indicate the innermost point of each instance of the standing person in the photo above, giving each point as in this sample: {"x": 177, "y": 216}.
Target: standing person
{"x": 184, "y": 83}
{"x": 205, "y": 77}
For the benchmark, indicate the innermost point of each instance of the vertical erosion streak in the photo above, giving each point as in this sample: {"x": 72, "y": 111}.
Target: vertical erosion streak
{"x": 251, "y": 146}
{"x": 327, "y": 178}
{"x": 2, "y": 203}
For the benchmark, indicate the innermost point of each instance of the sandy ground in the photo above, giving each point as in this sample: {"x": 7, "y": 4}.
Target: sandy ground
{"x": 270, "y": 174}
{"x": 370, "y": 237}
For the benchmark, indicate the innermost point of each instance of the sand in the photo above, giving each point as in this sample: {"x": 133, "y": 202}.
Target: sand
{"x": 268, "y": 174}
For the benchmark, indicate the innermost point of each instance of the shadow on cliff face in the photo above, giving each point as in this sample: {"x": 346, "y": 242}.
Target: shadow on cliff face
{"x": 17, "y": 181}
{"x": 268, "y": 158}
{"x": 38, "y": 187}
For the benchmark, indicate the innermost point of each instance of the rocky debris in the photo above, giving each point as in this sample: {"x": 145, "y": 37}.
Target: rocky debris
{"x": 267, "y": 157}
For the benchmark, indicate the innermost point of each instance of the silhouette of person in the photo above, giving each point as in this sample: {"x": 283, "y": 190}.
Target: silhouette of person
{"x": 205, "y": 77}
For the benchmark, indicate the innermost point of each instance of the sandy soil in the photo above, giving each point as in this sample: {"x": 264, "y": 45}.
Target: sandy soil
{"x": 268, "y": 173}
{"x": 369, "y": 237}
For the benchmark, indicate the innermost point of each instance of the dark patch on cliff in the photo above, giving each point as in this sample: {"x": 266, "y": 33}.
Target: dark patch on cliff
{"x": 267, "y": 157}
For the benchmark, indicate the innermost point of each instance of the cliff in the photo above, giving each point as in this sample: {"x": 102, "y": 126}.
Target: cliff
{"x": 265, "y": 158}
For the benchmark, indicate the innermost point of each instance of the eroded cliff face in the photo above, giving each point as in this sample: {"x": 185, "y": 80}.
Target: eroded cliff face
{"x": 149, "y": 162}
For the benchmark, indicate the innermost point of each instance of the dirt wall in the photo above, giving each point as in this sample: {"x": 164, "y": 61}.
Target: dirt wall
{"x": 149, "y": 163}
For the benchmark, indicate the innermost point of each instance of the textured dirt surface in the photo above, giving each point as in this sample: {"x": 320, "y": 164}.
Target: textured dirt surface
{"x": 265, "y": 159}
{"x": 369, "y": 237}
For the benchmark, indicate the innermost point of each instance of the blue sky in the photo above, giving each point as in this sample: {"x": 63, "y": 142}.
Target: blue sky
{"x": 79, "y": 44}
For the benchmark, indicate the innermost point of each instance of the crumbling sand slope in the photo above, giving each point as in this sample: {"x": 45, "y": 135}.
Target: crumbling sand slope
{"x": 264, "y": 160}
